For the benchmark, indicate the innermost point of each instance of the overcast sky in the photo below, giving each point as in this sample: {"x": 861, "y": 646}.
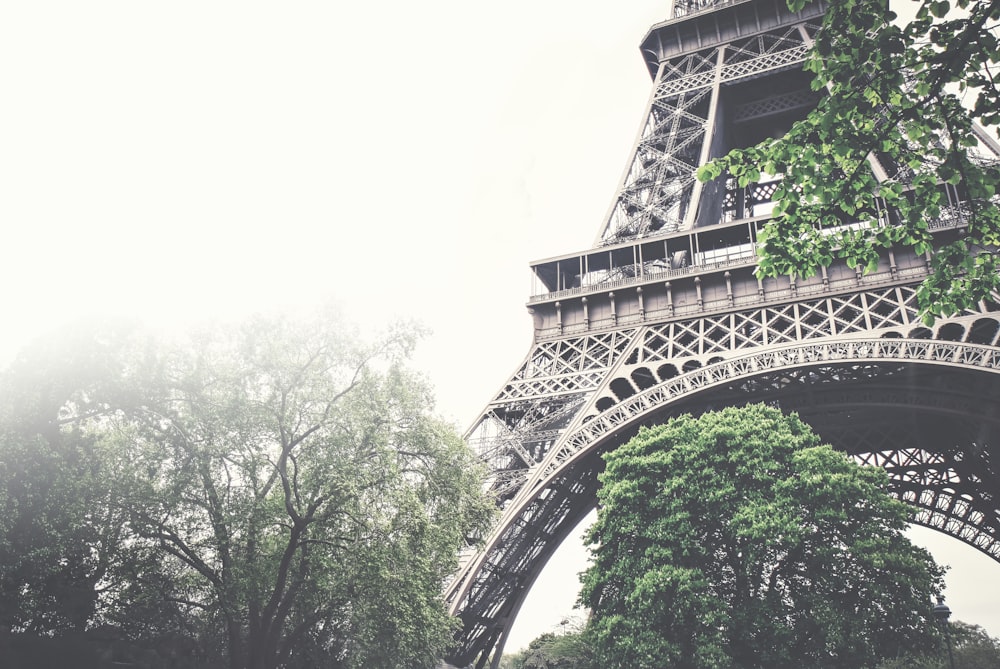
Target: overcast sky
{"x": 191, "y": 160}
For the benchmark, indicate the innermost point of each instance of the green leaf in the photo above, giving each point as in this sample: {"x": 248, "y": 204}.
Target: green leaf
{"x": 940, "y": 8}
{"x": 707, "y": 172}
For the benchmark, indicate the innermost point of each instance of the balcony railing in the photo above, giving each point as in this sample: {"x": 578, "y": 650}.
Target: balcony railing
{"x": 682, "y": 264}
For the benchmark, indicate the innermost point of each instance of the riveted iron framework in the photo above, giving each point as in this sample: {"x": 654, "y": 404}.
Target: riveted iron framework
{"x": 664, "y": 315}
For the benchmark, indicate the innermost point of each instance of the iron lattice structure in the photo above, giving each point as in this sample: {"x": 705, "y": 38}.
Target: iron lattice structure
{"x": 663, "y": 315}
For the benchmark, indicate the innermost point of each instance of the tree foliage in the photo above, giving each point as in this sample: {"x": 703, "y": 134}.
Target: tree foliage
{"x": 901, "y": 96}
{"x": 566, "y": 650}
{"x": 737, "y": 540}
{"x": 282, "y": 493}
{"x": 58, "y": 530}
{"x": 973, "y": 648}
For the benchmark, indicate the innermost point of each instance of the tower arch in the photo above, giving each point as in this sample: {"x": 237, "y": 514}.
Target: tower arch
{"x": 921, "y": 409}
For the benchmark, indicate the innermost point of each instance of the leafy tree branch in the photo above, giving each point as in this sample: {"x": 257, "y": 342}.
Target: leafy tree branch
{"x": 890, "y": 149}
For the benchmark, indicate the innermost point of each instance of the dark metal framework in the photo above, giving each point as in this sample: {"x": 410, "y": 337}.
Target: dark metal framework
{"x": 663, "y": 315}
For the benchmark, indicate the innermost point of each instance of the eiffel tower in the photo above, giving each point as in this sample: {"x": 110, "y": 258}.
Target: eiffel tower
{"x": 664, "y": 315}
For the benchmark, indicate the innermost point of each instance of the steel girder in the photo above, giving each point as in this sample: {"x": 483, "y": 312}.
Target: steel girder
{"x": 659, "y": 192}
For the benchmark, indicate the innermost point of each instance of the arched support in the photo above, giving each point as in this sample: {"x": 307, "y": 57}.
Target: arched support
{"x": 819, "y": 379}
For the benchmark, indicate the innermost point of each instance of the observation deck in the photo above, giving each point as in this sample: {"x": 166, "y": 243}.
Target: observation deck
{"x": 702, "y": 270}
{"x": 700, "y": 24}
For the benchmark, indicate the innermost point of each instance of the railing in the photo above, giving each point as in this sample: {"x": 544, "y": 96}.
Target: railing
{"x": 686, "y": 7}
{"x": 734, "y": 260}
{"x": 719, "y": 305}
{"x": 737, "y": 256}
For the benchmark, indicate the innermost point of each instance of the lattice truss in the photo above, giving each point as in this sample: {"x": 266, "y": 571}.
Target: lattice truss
{"x": 954, "y": 490}
{"x": 685, "y": 7}
{"x": 946, "y": 405}
{"x": 509, "y": 570}
{"x": 937, "y": 466}
{"x": 935, "y": 433}
{"x": 637, "y": 387}
{"x": 668, "y": 349}
{"x": 567, "y": 365}
{"x": 657, "y": 192}
{"x": 540, "y": 400}
{"x": 560, "y": 378}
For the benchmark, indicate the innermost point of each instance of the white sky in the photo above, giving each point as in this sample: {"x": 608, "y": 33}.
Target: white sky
{"x": 190, "y": 160}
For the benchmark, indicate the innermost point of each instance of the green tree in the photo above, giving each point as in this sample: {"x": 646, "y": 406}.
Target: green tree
{"x": 897, "y": 123}
{"x": 287, "y": 496}
{"x": 64, "y": 541}
{"x": 567, "y": 650}
{"x": 58, "y": 533}
{"x": 973, "y": 648}
{"x": 736, "y": 540}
